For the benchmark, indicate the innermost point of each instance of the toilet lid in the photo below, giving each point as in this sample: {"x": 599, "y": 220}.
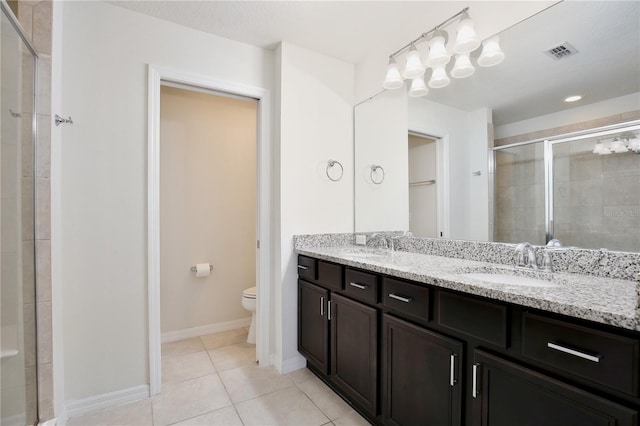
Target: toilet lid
{"x": 249, "y": 293}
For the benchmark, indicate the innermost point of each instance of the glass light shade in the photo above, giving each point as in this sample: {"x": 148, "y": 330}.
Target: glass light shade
{"x": 414, "y": 67}
{"x": 603, "y": 149}
{"x": 418, "y": 88}
{"x": 618, "y": 147}
{"x": 393, "y": 80}
{"x": 466, "y": 40}
{"x": 439, "y": 78}
{"x": 491, "y": 53}
{"x": 438, "y": 55}
{"x": 463, "y": 67}
{"x": 599, "y": 148}
{"x": 634, "y": 144}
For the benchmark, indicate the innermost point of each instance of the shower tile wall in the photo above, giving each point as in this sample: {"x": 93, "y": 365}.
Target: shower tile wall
{"x": 36, "y": 20}
{"x": 519, "y": 195}
{"x": 597, "y": 197}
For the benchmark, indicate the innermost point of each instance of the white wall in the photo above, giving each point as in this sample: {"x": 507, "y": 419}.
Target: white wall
{"x": 103, "y": 252}
{"x": 381, "y": 139}
{"x": 578, "y": 114}
{"x": 207, "y": 207}
{"x": 315, "y": 99}
{"x": 466, "y": 133}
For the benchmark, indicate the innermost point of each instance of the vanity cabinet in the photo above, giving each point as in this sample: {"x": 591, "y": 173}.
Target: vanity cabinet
{"x": 421, "y": 375}
{"x": 313, "y": 324}
{"x": 354, "y": 351}
{"x": 338, "y": 334}
{"x": 407, "y": 353}
{"x": 506, "y": 393}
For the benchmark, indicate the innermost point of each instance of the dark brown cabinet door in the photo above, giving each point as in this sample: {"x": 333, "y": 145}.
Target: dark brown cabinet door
{"x": 313, "y": 327}
{"x": 421, "y": 373}
{"x": 509, "y": 394}
{"x": 354, "y": 350}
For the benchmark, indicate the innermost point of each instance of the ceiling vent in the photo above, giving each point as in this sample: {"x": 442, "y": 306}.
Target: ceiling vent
{"x": 561, "y": 51}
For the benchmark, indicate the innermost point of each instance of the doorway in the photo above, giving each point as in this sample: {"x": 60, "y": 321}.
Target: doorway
{"x": 423, "y": 186}
{"x": 207, "y": 210}
{"x": 158, "y": 77}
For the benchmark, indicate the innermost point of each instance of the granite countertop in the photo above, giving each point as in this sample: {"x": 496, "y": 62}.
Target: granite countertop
{"x": 604, "y": 300}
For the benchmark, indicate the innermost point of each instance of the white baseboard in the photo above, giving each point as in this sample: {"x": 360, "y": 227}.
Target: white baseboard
{"x": 292, "y": 364}
{"x": 97, "y": 402}
{"x": 50, "y": 422}
{"x": 172, "y": 336}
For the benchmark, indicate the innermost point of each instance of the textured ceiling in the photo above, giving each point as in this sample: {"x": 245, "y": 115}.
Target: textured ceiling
{"x": 525, "y": 85}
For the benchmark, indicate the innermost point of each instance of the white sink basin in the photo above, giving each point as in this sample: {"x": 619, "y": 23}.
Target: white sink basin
{"x": 508, "y": 279}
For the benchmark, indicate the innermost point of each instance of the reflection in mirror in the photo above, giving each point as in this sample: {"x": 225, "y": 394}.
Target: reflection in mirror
{"x": 581, "y": 189}
{"x": 522, "y": 103}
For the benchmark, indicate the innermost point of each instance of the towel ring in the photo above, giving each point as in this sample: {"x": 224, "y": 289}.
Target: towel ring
{"x": 374, "y": 169}
{"x": 330, "y": 165}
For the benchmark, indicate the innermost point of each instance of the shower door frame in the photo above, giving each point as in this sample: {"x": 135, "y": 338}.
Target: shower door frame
{"x": 156, "y": 76}
{"x": 15, "y": 23}
{"x": 548, "y": 144}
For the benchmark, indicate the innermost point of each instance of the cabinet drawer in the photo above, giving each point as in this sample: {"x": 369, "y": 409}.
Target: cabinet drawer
{"x": 361, "y": 285}
{"x": 483, "y": 320}
{"x": 330, "y": 275}
{"x": 604, "y": 358}
{"x": 307, "y": 268}
{"x": 405, "y": 299}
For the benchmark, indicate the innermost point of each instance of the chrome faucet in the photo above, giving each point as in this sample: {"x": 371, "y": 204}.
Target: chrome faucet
{"x": 526, "y": 256}
{"x": 382, "y": 240}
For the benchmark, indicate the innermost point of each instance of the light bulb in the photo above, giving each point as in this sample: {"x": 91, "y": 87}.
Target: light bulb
{"x": 438, "y": 55}
{"x": 439, "y": 78}
{"x": 418, "y": 88}
{"x": 634, "y": 144}
{"x": 463, "y": 67}
{"x": 393, "y": 79}
{"x": 618, "y": 147}
{"x": 598, "y": 148}
{"x": 466, "y": 40}
{"x": 414, "y": 67}
{"x": 491, "y": 53}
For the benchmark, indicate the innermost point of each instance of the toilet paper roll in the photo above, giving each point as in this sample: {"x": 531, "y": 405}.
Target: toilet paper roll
{"x": 202, "y": 270}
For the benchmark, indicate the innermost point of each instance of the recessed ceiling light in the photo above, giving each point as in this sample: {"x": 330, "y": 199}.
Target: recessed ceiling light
{"x": 573, "y": 98}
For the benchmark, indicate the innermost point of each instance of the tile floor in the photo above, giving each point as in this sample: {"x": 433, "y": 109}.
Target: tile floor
{"x": 214, "y": 380}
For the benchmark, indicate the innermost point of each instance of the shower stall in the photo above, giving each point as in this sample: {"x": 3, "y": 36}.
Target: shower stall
{"x": 18, "y": 366}
{"x": 581, "y": 188}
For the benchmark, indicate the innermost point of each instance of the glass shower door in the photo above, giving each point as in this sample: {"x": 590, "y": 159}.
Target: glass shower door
{"x": 18, "y": 384}
{"x": 596, "y": 195}
{"x": 519, "y": 194}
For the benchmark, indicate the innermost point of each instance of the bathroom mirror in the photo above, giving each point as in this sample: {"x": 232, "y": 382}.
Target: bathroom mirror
{"x": 522, "y": 95}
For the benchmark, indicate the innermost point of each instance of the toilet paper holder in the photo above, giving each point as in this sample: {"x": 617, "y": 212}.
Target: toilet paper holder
{"x": 194, "y": 269}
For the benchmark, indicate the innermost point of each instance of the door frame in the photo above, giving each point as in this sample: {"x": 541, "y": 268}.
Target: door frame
{"x": 442, "y": 177}
{"x": 156, "y": 76}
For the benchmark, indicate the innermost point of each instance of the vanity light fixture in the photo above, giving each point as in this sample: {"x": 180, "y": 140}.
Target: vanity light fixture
{"x": 633, "y": 143}
{"x": 439, "y": 55}
{"x": 619, "y": 145}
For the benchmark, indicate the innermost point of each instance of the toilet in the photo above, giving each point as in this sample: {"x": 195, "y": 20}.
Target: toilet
{"x": 249, "y": 303}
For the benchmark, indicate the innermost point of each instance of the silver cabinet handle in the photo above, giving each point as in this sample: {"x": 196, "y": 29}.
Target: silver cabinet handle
{"x": 474, "y": 385}
{"x": 452, "y": 370}
{"x": 360, "y": 286}
{"x": 557, "y": 347}
{"x": 321, "y": 306}
{"x": 329, "y": 310}
{"x": 304, "y": 268}
{"x": 400, "y": 298}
